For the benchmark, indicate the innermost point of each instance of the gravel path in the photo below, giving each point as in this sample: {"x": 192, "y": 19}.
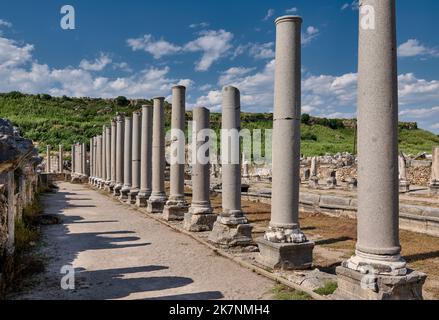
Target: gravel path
{"x": 118, "y": 253}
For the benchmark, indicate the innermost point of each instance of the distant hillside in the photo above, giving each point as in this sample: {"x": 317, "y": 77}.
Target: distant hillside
{"x": 54, "y": 120}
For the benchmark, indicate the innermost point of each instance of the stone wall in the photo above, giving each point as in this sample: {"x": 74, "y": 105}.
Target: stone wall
{"x": 19, "y": 181}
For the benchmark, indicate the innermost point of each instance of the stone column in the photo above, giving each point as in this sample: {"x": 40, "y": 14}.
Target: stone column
{"x": 127, "y": 159}
{"x": 113, "y": 156}
{"x": 91, "y": 177}
{"x": 314, "y": 179}
{"x": 96, "y": 169}
{"x": 60, "y": 158}
{"x": 377, "y": 271}
{"x": 103, "y": 158}
{"x": 48, "y": 167}
{"x": 135, "y": 157}
{"x": 145, "y": 157}
{"x": 434, "y": 182}
{"x": 107, "y": 158}
{"x": 72, "y": 154}
{"x": 84, "y": 159}
{"x": 176, "y": 206}
{"x": 404, "y": 185}
{"x": 119, "y": 154}
{"x": 232, "y": 227}
{"x": 157, "y": 199}
{"x": 200, "y": 216}
{"x": 284, "y": 245}
{"x": 99, "y": 159}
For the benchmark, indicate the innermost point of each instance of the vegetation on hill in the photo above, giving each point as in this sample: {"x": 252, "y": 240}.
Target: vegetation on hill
{"x": 56, "y": 120}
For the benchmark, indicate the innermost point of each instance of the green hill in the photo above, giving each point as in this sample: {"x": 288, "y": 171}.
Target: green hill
{"x": 55, "y": 120}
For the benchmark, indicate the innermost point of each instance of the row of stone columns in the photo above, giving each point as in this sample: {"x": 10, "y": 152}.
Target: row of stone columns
{"x": 377, "y": 269}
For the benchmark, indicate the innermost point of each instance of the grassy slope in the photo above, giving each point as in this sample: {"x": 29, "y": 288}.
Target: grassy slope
{"x": 66, "y": 120}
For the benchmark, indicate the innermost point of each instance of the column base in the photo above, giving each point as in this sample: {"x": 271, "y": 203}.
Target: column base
{"x": 231, "y": 235}
{"x": 313, "y": 182}
{"x": 155, "y": 205}
{"x": 107, "y": 186}
{"x": 285, "y": 256}
{"x": 175, "y": 210}
{"x": 331, "y": 183}
{"x": 199, "y": 219}
{"x": 404, "y": 186}
{"x": 124, "y": 193}
{"x": 142, "y": 200}
{"x": 434, "y": 189}
{"x": 111, "y": 187}
{"x": 132, "y": 196}
{"x": 352, "y": 184}
{"x": 354, "y": 285}
{"x": 116, "y": 191}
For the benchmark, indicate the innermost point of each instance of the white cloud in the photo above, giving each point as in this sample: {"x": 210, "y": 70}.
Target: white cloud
{"x": 213, "y": 43}
{"x": 158, "y": 48}
{"x": 354, "y": 5}
{"x": 97, "y": 65}
{"x": 4, "y": 23}
{"x": 421, "y": 113}
{"x": 256, "y": 50}
{"x": 310, "y": 34}
{"x": 269, "y": 14}
{"x": 20, "y": 71}
{"x": 291, "y": 10}
{"x": 413, "y": 48}
{"x": 199, "y": 25}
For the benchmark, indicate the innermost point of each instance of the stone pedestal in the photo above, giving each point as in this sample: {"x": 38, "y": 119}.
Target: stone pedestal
{"x": 232, "y": 227}
{"x": 176, "y": 206}
{"x": 200, "y": 216}
{"x": 158, "y": 197}
{"x": 355, "y": 285}
{"x": 404, "y": 186}
{"x": 352, "y": 184}
{"x": 285, "y": 256}
{"x": 331, "y": 182}
{"x": 313, "y": 182}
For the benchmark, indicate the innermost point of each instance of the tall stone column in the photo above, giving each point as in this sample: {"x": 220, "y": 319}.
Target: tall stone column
{"x": 434, "y": 182}
{"x": 91, "y": 177}
{"x": 200, "y": 216}
{"x": 158, "y": 198}
{"x": 145, "y": 157}
{"x": 107, "y": 158}
{"x": 48, "y": 164}
{"x": 377, "y": 271}
{"x": 78, "y": 159}
{"x": 284, "y": 245}
{"x": 127, "y": 160}
{"x": 176, "y": 206}
{"x": 119, "y": 154}
{"x": 60, "y": 158}
{"x": 99, "y": 159}
{"x": 113, "y": 156}
{"x": 103, "y": 157}
{"x": 96, "y": 169}
{"x": 72, "y": 155}
{"x": 84, "y": 159}
{"x": 232, "y": 227}
{"x": 135, "y": 157}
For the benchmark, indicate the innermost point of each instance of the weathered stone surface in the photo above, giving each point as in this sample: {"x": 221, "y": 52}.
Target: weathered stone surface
{"x": 354, "y": 285}
{"x": 230, "y": 236}
{"x": 286, "y": 256}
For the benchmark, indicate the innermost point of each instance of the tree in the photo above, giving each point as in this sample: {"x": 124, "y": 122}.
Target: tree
{"x": 122, "y": 101}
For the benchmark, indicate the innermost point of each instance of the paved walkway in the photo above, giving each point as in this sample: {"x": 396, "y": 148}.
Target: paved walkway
{"x": 118, "y": 253}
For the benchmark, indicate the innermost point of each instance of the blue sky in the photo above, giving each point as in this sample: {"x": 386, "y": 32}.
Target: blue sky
{"x": 140, "y": 49}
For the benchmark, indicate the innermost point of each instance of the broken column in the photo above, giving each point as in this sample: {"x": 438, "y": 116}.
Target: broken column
{"x": 145, "y": 157}
{"x": 232, "y": 227}
{"x": 434, "y": 182}
{"x": 313, "y": 179}
{"x": 157, "y": 199}
{"x": 377, "y": 270}
{"x": 48, "y": 168}
{"x": 284, "y": 245}
{"x": 127, "y": 160}
{"x": 200, "y": 216}
{"x": 176, "y": 206}
{"x": 404, "y": 185}
{"x": 331, "y": 182}
{"x": 135, "y": 157}
{"x": 119, "y": 154}
{"x": 113, "y": 156}
{"x": 60, "y": 158}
